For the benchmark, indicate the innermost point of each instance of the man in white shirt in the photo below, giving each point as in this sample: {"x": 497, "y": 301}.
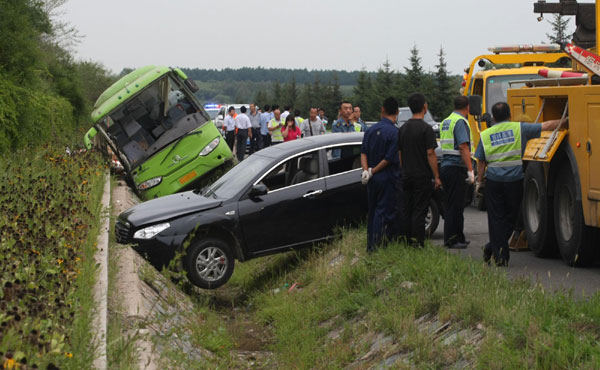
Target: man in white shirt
{"x": 229, "y": 127}
{"x": 313, "y": 125}
{"x": 244, "y": 127}
{"x": 256, "y": 141}
{"x": 286, "y": 112}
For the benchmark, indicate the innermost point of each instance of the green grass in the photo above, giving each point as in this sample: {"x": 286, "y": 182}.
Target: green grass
{"x": 360, "y": 296}
{"x": 49, "y": 222}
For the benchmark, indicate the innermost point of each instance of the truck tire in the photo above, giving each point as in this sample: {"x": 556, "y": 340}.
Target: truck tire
{"x": 432, "y": 219}
{"x": 575, "y": 239}
{"x": 538, "y": 213}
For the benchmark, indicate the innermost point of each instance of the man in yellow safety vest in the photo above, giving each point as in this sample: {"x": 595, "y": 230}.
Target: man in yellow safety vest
{"x": 500, "y": 150}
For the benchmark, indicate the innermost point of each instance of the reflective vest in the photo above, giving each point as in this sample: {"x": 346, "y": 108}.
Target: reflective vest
{"x": 447, "y": 134}
{"x": 357, "y": 127}
{"x": 502, "y": 144}
{"x": 276, "y": 134}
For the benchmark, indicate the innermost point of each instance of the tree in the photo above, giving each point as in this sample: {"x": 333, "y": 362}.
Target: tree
{"x": 290, "y": 93}
{"x": 384, "y": 82}
{"x": 364, "y": 96}
{"x": 261, "y": 98}
{"x": 277, "y": 93}
{"x": 414, "y": 74}
{"x": 559, "y": 29}
{"x": 441, "y": 105}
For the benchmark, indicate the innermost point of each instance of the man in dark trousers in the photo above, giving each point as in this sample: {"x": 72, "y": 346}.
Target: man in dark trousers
{"x": 456, "y": 171}
{"x": 381, "y": 173}
{"x": 416, "y": 141}
{"x": 501, "y": 149}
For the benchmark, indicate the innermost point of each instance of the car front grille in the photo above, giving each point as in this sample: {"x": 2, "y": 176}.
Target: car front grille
{"x": 122, "y": 231}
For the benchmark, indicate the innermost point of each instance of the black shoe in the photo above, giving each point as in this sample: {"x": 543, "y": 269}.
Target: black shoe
{"x": 487, "y": 255}
{"x": 467, "y": 242}
{"x": 457, "y": 245}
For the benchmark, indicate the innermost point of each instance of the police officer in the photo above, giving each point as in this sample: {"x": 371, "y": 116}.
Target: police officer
{"x": 344, "y": 124}
{"x": 456, "y": 140}
{"x": 500, "y": 149}
{"x": 381, "y": 173}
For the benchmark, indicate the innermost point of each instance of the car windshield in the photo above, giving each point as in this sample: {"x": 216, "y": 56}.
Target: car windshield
{"x": 148, "y": 122}
{"x": 237, "y": 178}
{"x": 496, "y": 87}
{"x": 405, "y": 114}
{"x": 212, "y": 113}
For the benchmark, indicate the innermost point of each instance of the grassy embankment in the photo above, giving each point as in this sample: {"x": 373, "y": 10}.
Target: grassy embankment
{"x": 347, "y": 298}
{"x": 49, "y": 222}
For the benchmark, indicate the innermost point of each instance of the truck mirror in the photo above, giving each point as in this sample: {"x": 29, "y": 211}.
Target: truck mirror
{"x": 475, "y": 105}
{"x": 487, "y": 118}
{"x": 191, "y": 84}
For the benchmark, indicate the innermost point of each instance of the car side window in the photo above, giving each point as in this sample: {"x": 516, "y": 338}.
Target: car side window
{"x": 295, "y": 170}
{"x": 343, "y": 159}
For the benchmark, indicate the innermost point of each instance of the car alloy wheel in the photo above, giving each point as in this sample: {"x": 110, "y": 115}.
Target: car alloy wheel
{"x": 211, "y": 264}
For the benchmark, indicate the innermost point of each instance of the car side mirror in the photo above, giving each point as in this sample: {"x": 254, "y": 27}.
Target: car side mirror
{"x": 258, "y": 190}
{"x": 191, "y": 84}
{"x": 475, "y": 105}
{"x": 220, "y": 117}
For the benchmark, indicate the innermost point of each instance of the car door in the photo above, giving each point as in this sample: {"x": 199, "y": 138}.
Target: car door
{"x": 345, "y": 196}
{"x": 291, "y": 212}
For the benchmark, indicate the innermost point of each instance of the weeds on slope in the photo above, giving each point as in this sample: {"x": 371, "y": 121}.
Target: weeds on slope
{"x": 362, "y": 295}
{"x": 49, "y": 221}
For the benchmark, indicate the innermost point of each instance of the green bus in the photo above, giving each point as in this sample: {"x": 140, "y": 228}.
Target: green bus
{"x": 162, "y": 135}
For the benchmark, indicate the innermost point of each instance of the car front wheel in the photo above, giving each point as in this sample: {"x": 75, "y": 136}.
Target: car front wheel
{"x": 209, "y": 263}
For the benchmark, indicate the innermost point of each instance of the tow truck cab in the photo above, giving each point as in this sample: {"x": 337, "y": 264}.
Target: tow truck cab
{"x": 161, "y": 134}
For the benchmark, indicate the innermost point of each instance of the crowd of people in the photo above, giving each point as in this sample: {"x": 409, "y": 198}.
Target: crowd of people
{"x": 400, "y": 169}
{"x": 270, "y": 126}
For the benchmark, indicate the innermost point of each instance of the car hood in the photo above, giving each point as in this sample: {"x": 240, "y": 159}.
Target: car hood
{"x": 167, "y": 208}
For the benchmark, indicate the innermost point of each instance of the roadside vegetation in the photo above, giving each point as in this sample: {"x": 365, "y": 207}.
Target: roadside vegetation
{"x": 336, "y": 306}
{"x": 49, "y": 221}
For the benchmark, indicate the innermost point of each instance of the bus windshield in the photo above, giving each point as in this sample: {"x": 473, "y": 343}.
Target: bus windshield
{"x": 148, "y": 122}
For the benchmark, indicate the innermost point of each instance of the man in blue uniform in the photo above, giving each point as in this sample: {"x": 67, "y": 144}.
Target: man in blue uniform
{"x": 343, "y": 124}
{"x": 500, "y": 150}
{"x": 381, "y": 173}
{"x": 456, "y": 171}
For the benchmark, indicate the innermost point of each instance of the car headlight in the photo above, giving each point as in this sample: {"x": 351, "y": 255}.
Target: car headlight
{"x": 150, "y": 231}
{"x": 210, "y": 147}
{"x": 150, "y": 183}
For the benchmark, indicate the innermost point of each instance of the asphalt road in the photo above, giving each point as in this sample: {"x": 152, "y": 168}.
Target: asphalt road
{"x": 553, "y": 274}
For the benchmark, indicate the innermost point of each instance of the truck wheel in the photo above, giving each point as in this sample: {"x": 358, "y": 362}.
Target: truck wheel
{"x": 432, "y": 219}
{"x": 209, "y": 263}
{"x": 538, "y": 212}
{"x": 575, "y": 240}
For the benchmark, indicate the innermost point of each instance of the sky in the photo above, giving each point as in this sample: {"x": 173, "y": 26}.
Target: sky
{"x": 327, "y": 34}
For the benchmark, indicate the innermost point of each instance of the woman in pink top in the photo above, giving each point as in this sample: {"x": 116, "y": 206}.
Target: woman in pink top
{"x": 290, "y": 131}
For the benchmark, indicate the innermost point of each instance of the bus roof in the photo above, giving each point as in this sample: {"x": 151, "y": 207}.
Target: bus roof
{"x": 126, "y": 87}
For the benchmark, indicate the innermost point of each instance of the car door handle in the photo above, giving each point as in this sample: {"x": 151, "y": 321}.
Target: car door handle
{"x": 312, "y": 193}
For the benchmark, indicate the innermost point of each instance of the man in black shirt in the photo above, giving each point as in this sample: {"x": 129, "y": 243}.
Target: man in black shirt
{"x": 416, "y": 143}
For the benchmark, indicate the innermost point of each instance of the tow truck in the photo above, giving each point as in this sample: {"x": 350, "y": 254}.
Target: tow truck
{"x": 160, "y": 133}
{"x": 488, "y": 86}
{"x": 561, "y": 204}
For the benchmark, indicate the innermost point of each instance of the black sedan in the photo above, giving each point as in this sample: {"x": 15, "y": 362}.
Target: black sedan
{"x": 284, "y": 197}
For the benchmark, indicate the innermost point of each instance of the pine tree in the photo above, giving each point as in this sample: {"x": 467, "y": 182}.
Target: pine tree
{"x": 414, "y": 74}
{"x": 441, "y": 104}
{"x": 261, "y": 98}
{"x": 384, "y": 82}
{"x": 364, "y": 96}
{"x": 559, "y": 27}
{"x": 290, "y": 92}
